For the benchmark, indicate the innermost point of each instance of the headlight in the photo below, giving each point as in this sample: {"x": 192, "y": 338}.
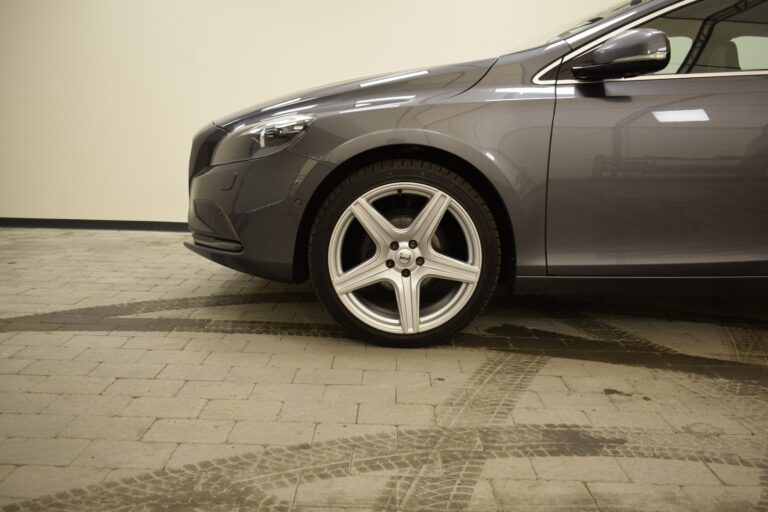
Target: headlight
{"x": 261, "y": 139}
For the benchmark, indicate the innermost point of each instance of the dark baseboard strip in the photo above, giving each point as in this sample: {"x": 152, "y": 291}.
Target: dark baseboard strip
{"x": 130, "y": 225}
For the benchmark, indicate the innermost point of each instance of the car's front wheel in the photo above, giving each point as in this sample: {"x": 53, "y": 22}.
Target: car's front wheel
{"x": 404, "y": 252}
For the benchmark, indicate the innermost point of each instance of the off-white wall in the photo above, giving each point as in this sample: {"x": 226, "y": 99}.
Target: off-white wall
{"x": 99, "y": 99}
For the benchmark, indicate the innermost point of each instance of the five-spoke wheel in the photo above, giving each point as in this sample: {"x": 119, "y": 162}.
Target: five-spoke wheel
{"x": 405, "y": 253}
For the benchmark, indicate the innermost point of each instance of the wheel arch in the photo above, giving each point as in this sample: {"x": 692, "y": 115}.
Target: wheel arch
{"x": 432, "y": 154}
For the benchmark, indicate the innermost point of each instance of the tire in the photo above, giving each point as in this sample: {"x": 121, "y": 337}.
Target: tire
{"x": 427, "y": 284}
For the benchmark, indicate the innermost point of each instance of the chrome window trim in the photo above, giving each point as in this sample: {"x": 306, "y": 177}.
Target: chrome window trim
{"x": 583, "y": 49}
{"x": 664, "y": 77}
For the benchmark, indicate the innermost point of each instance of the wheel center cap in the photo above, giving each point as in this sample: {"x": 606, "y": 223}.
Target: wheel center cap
{"x": 405, "y": 257}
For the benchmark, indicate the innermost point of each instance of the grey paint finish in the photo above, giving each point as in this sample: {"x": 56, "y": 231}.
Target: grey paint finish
{"x": 628, "y": 195}
{"x": 499, "y": 127}
{"x": 669, "y": 179}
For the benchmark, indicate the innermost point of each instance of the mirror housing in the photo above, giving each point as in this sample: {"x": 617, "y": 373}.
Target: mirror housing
{"x": 634, "y": 52}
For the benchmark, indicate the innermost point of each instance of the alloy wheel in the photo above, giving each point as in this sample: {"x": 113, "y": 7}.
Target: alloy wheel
{"x": 404, "y": 258}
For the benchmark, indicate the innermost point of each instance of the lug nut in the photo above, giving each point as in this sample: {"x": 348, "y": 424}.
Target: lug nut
{"x": 413, "y": 244}
{"x": 394, "y": 246}
{"x": 406, "y": 273}
{"x": 419, "y": 261}
{"x": 390, "y": 263}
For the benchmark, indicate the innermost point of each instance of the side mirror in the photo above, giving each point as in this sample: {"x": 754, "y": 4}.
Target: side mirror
{"x": 631, "y": 53}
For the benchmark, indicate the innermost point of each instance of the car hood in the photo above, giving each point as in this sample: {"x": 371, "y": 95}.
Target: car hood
{"x": 414, "y": 86}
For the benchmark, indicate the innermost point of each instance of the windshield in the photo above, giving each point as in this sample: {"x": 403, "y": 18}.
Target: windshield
{"x": 576, "y": 27}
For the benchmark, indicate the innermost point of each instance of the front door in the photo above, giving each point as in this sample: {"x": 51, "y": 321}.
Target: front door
{"x": 667, "y": 174}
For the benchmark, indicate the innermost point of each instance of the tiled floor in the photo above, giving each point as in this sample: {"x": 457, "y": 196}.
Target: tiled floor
{"x": 135, "y": 375}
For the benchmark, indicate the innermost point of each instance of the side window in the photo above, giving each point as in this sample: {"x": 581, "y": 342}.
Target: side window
{"x": 753, "y": 52}
{"x": 716, "y": 36}
{"x": 680, "y": 46}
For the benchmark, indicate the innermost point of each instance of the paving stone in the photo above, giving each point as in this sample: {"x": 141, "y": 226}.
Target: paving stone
{"x": 545, "y": 383}
{"x": 365, "y": 362}
{"x": 429, "y": 395}
{"x": 51, "y": 367}
{"x": 422, "y": 364}
{"x": 351, "y": 491}
{"x": 668, "y": 472}
{"x": 335, "y": 346}
{"x": 43, "y": 339}
{"x": 117, "y": 355}
{"x": 10, "y": 366}
{"x": 174, "y": 357}
{"x": 648, "y": 403}
{"x": 105, "y": 427}
{"x": 32, "y": 425}
{"x": 273, "y": 344}
{"x": 396, "y": 414}
{"x": 736, "y": 475}
{"x": 598, "y": 384}
{"x": 706, "y": 423}
{"x": 19, "y": 383}
{"x": 301, "y": 360}
{"x": 192, "y": 453}
{"x": 125, "y": 454}
{"x": 271, "y": 432}
{"x": 237, "y": 359}
{"x": 24, "y": 402}
{"x": 310, "y": 508}
{"x": 88, "y": 405}
{"x": 48, "y": 353}
{"x": 223, "y": 345}
{"x": 7, "y": 351}
{"x": 144, "y": 387}
{"x": 381, "y": 377}
{"x": 256, "y": 374}
{"x": 90, "y": 341}
{"x": 222, "y": 390}
{"x": 72, "y": 385}
{"x": 616, "y": 496}
{"x": 331, "y": 431}
{"x": 328, "y": 376}
{"x": 28, "y": 481}
{"x": 514, "y": 468}
{"x": 720, "y": 499}
{"x": 585, "y": 469}
{"x": 241, "y": 410}
{"x": 157, "y": 343}
{"x": 187, "y": 335}
{"x": 52, "y": 452}
{"x": 127, "y": 370}
{"x": 375, "y": 394}
{"x": 194, "y": 372}
{"x": 564, "y": 367}
{"x": 189, "y": 431}
{"x": 161, "y": 407}
{"x": 542, "y": 496}
{"x": 265, "y": 392}
{"x": 528, "y": 400}
{"x": 5, "y": 470}
{"x": 578, "y": 401}
{"x": 446, "y": 379}
{"x": 319, "y": 412}
{"x": 541, "y": 416}
{"x": 483, "y": 499}
{"x": 644, "y": 420}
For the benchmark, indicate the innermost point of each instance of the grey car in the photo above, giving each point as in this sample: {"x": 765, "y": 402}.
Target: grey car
{"x": 627, "y": 150}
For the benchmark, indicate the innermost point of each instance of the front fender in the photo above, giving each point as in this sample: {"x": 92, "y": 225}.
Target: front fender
{"x": 510, "y": 181}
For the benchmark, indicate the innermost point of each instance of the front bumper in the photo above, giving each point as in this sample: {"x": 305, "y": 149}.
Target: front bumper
{"x": 247, "y": 215}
